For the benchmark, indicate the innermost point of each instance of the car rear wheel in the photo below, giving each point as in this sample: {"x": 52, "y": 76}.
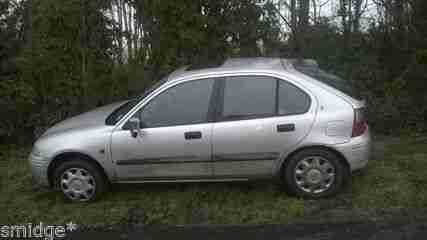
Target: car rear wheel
{"x": 80, "y": 181}
{"x": 315, "y": 173}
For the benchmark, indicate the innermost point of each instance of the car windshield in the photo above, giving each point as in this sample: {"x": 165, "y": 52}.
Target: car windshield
{"x": 121, "y": 111}
{"x": 328, "y": 78}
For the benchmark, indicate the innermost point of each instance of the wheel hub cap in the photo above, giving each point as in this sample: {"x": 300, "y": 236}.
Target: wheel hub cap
{"x": 78, "y": 184}
{"x": 314, "y": 174}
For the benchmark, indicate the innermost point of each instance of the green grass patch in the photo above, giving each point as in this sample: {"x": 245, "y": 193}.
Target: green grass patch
{"x": 391, "y": 187}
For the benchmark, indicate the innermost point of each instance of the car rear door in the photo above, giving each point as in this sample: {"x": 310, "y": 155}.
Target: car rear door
{"x": 258, "y": 118}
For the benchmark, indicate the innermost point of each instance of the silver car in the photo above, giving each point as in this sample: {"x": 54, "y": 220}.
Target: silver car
{"x": 243, "y": 119}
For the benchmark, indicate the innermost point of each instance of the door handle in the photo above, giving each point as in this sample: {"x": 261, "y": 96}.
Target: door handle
{"x": 286, "y": 127}
{"x": 193, "y": 135}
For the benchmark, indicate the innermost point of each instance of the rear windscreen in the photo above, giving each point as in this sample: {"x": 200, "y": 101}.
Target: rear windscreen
{"x": 327, "y": 78}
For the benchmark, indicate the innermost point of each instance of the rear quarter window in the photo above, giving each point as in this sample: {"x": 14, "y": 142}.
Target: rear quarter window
{"x": 327, "y": 78}
{"x": 291, "y": 99}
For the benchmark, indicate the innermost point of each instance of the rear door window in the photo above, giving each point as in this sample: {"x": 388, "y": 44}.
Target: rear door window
{"x": 249, "y": 96}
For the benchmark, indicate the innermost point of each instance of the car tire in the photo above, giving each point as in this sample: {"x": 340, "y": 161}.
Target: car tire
{"x": 314, "y": 174}
{"x": 80, "y": 180}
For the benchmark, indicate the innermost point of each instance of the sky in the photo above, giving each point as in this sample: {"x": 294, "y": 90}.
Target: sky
{"x": 329, "y": 8}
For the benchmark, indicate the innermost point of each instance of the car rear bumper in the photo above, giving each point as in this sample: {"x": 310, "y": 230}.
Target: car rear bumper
{"x": 39, "y": 165}
{"x": 357, "y": 151}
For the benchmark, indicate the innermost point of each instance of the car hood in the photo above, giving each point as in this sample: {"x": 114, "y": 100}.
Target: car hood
{"x": 95, "y": 117}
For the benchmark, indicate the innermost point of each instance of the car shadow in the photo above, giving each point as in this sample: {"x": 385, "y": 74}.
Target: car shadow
{"x": 190, "y": 186}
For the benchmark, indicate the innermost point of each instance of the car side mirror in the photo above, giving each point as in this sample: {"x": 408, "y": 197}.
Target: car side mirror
{"x": 134, "y": 125}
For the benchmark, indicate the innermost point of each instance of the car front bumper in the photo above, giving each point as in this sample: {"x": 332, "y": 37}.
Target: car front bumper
{"x": 39, "y": 165}
{"x": 357, "y": 151}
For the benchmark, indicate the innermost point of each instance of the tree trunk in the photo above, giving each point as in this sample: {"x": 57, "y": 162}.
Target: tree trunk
{"x": 83, "y": 48}
{"x": 357, "y": 15}
{"x": 130, "y": 31}
{"x": 304, "y": 11}
{"x": 314, "y": 3}
{"x": 127, "y": 30}
{"x": 346, "y": 16}
{"x": 120, "y": 29}
{"x": 28, "y": 23}
{"x": 294, "y": 15}
{"x": 294, "y": 28}
{"x": 303, "y": 21}
{"x": 398, "y": 14}
{"x": 399, "y": 23}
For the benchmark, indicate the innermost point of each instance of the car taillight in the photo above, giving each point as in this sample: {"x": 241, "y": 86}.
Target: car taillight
{"x": 360, "y": 122}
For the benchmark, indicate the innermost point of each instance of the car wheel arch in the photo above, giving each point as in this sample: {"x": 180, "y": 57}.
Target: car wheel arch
{"x": 69, "y": 156}
{"x": 284, "y": 161}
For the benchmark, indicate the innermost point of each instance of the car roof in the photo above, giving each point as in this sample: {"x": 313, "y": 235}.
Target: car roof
{"x": 233, "y": 65}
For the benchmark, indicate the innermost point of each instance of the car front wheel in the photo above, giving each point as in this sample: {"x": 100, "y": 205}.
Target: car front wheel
{"x": 80, "y": 181}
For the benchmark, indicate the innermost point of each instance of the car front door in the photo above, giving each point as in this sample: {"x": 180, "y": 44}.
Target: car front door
{"x": 175, "y": 142}
{"x": 259, "y": 118}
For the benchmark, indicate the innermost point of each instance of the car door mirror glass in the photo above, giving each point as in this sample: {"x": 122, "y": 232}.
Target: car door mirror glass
{"x": 134, "y": 125}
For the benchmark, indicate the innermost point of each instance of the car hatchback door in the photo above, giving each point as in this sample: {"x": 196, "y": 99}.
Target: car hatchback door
{"x": 259, "y": 118}
{"x": 176, "y": 137}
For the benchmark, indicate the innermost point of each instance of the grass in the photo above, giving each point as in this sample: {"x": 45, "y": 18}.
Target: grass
{"x": 391, "y": 187}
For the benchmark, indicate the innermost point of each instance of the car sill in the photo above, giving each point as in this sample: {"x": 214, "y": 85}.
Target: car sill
{"x": 185, "y": 180}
